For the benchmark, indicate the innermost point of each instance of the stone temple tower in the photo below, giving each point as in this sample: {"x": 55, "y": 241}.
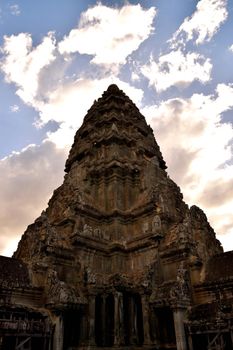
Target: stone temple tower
{"x": 117, "y": 255}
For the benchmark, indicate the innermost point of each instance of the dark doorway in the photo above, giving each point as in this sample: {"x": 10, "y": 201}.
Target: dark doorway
{"x": 133, "y": 319}
{"x": 163, "y": 324}
{"x": 104, "y": 320}
{"x": 109, "y": 338}
{"x": 72, "y": 326}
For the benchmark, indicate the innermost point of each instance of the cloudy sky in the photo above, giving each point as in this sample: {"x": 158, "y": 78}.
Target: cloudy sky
{"x": 172, "y": 57}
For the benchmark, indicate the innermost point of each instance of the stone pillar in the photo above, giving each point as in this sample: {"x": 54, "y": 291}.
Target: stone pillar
{"x": 153, "y": 327}
{"x": 91, "y": 340}
{"x": 83, "y": 327}
{"x": 1, "y": 342}
{"x": 190, "y": 342}
{"x": 118, "y": 319}
{"x": 58, "y": 334}
{"x": 178, "y": 315}
{"x": 133, "y": 322}
{"x": 103, "y": 320}
{"x": 146, "y": 323}
{"x": 49, "y": 344}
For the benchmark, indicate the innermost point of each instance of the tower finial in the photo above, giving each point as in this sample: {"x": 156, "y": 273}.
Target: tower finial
{"x": 113, "y": 88}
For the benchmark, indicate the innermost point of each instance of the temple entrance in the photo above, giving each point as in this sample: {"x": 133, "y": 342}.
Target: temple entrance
{"x": 133, "y": 320}
{"x": 72, "y": 329}
{"x": 162, "y": 327}
{"x": 126, "y": 320}
{"x": 104, "y": 320}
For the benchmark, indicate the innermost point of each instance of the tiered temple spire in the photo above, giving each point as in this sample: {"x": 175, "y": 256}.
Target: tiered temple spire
{"x": 117, "y": 252}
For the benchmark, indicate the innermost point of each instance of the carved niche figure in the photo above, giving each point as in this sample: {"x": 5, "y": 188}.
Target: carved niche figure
{"x": 156, "y": 225}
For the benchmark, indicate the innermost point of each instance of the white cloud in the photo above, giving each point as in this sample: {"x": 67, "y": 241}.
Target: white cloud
{"x": 41, "y": 83}
{"x": 231, "y": 48}
{"x": 14, "y": 108}
{"x": 26, "y": 183}
{"x": 110, "y": 34}
{"x": 203, "y": 24}
{"x": 135, "y": 76}
{"x": 197, "y": 146}
{"x": 22, "y": 64}
{"x": 177, "y": 69}
{"x": 39, "y": 74}
{"x": 15, "y": 10}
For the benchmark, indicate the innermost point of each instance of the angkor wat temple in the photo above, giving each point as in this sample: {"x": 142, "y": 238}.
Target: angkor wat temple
{"x": 117, "y": 260}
